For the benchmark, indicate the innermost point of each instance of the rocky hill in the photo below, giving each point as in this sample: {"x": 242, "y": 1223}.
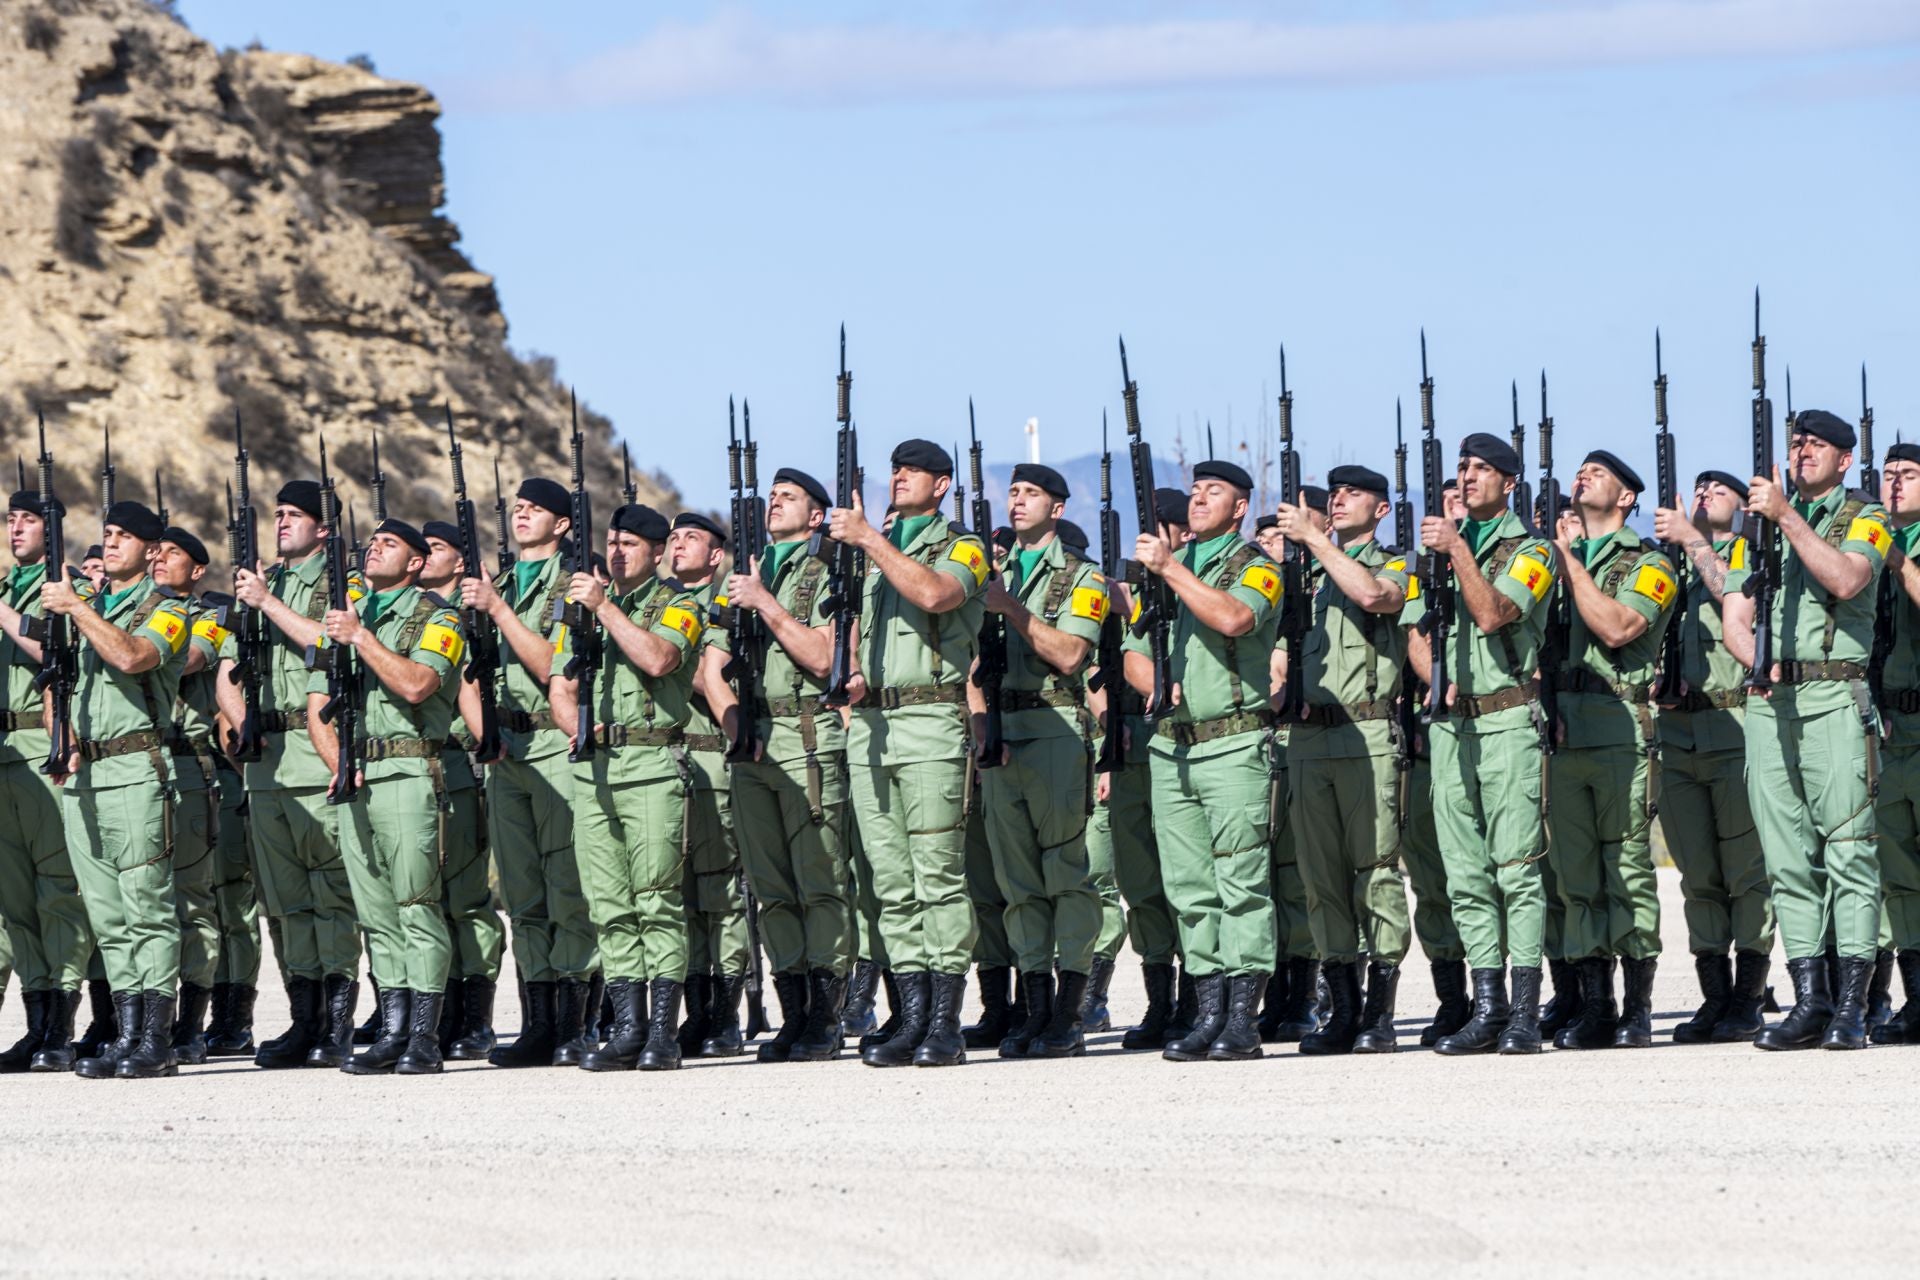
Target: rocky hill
{"x": 191, "y": 232}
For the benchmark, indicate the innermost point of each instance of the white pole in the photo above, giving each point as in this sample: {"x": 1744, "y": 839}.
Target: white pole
{"x": 1033, "y": 440}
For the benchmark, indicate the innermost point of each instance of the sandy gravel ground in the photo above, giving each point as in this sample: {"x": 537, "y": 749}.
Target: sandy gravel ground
{"x": 1692, "y": 1161}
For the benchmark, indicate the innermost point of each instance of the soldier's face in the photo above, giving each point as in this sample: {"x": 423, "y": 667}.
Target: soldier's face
{"x": 174, "y": 568}
{"x": 630, "y": 558}
{"x": 692, "y": 552}
{"x": 1597, "y": 489}
{"x": 1271, "y": 541}
{"x": 1214, "y": 507}
{"x": 790, "y": 511}
{"x": 443, "y": 561}
{"x": 1351, "y": 510}
{"x": 1451, "y": 504}
{"x": 1483, "y": 487}
{"x": 26, "y": 536}
{"x": 1814, "y": 464}
{"x": 122, "y": 554}
{"x": 1031, "y": 508}
{"x": 916, "y": 492}
{"x": 390, "y": 560}
{"x": 294, "y": 531}
{"x": 1717, "y": 503}
{"x": 534, "y": 525}
{"x": 1900, "y": 488}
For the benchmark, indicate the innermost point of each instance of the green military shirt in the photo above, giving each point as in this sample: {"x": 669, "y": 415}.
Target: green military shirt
{"x": 799, "y": 582}
{"x": 422, "y": 628}
{"x": 288, "y": 760}
{"x": 625, "y": 695}
{"x": 17, "y": 745}
{"x": 1804, "y": 612}
{"x": 1354, "y": 657}
{"x": 1067, "y": 592}
{"x": 1707, "y": 666}
{"x": 706, "y": 745}
{"x": 1221, "y": 675}
{"x": 904, "y": 647}
{"x": 1901, "y": 674}
{"x": 108, "y": 703}
{"x": 1521, "y": 567}
{"x": 195, "y": 711}
{"x": 1639, "y": 575}
{"x": 519, "y": 691}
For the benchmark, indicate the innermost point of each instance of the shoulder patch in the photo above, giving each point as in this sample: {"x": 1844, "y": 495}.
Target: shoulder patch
{"x": 1090, "y": 603}
{"x": 685, "y": 621}
{"x": 442, "y": 639}
{"x": 968, "y": 552}
{"x": 1398, "y": 565}
{"x": 1413, "y": 586}
{"x": 210, "y": 630}
{"x": 1737, "y": 554}
{"x": 1263, "y": 578}
{"x": 1655, "y": 583}
{"x": 1871, "y": 530}
{"x": 1533, "y": 574}
{"x": 170, "y": 627}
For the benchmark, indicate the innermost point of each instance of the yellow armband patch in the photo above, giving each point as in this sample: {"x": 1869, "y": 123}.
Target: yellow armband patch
{"x": 674, "y": 618}
{"x": 1090, "y": 603}
{"x": 169, "y": 626}
{"x": 1133, "y": 619}
{"x": 1264, "y": 579}
{"x": 969, "y": 554}
{"x": 444, "y": 641}
{"x": 1737, "y": 554}
{"x": 1870, "y": 531}
{"x": 1397, "y": 566}
{"x": 1655, "y": 583}
{"x": 1413, "y": 586}
{"x": 1533, "y": 575}
{"x": 211, "y": 631}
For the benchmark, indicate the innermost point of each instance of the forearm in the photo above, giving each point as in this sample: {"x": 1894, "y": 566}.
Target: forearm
{"x": 1843, "y": 573}
{"x": 325, "y": 741}
{"x": 809, "y": 648}
{"x": 563, "y": 699}
{"x": 654, "y": 656}
{"x": 531, "y": 650}
{"x": 124, "y": 651}
{"x": 1419, "y": 650}
{"x": 1062, "y": 652}
{"x": 1213, "y": 608}
{"x": 1138, "y": 668}
{"x": 297, "y": 627}
{"x": 228, "y": 696}
{"x": 410, "y": 681}
{"x": 1489, "y": 609}
{"x": 1355, "y": 580}
{"x": 12, "y": 622}
{"x": 1736, "y": 628}
{"x": 922, "y": 586}
{"x": 1711, "y": 568}
{"x": 1612, "y": 623}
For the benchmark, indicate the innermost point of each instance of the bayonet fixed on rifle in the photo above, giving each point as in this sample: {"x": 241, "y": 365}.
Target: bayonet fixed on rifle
{"x": 990, "y": 671}
{"x": 482, "y": 638}
{"x": 59, "y": 672}
{"x": 1109, "y": 675}
{"x": 1553, "y": 643}
{"x": 583, "y": 633}
{"x": 1434, "y": 570}
{"x": 1763, "y": 536}
{"x": 746, "y": 630}
{"x": 342, "y": 708}
{"x": 846, "y": 567}
{"x": 628, "y": 490}
{"x": 379, "y": 483}
{"x": 248, "y": 623}
{"x": 1667, "y": 487}
{"x": 1869, "y": 469}
{"x": 107, "y": 471}
{"x": 1296, "y": 608}
{"x": 1522, "y": 487}
{"x": 1155, "y": 599}
{"x": 1886, "y": 590}
{"x": 160, "y": 500}
{"x": 503, "y": 549}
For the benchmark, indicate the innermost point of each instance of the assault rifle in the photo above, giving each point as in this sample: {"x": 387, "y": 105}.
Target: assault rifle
{"x": 583, "y": 634}
{"x": 1434, "y": 570}
{"x": 1522, "y": 490}
{"x": 1296, "y": 607}
{"x": 379, "y": 482}
{"x": 1886, "y": 597}
{"x": 482, "y": 637}
{"x": 1763, "y": 583}
{"x": 342, "y": 708}
{"x": 1110, "y": 673}
{"x": 107, "y": 471}
{"x": 250, "y": 653}
{"x": 991, "y": 670}
{"x": 59, "y": 654}
{"x": 159, "y": 500}
{"x": 1155, "y": 598}
{"x": 1406, "y": 714}
{"x": 1667, "y": 486}
{"x": 503, "y": 549}
{"x": 746, "y": 630}
{"x": 629, "y": 492}
{"x": 846, "y": 567}
{"x": 1553, "y": 643}
{"x": 1869, "y": 470}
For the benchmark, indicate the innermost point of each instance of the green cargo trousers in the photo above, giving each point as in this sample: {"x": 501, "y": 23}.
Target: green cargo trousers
{"x": 1807, "y": 784}
{"x": 196, "y": 835}
{"x": 1121, "y": 834}
{"x": 118, "y": 839}
{"x": 530, "y": 826}
{"x": 1293, "y": 922}
{"x": 390, "y": 844}
{"x": 1708, "y": 827}
{"x": 1897, "y": 811}
{"x": 1213, "y": 815}
{"x": 46, "y": 922}
{"x": 913, "y": 831}
{"x": 1037, "y": 807}
{"x": 716, "y": 908}
{"x": 1600, "y": 853}
{"x": 1427, "y": 872}
{"x": 466, "y": 899}
{"x": 1113, "y": 911}
{"x": 991, "y": 949}
{"x": 633, "y": 863}
{"x": 797, "y": 867}
{"x": 1345, "y": 829}
{"x": 303, "y": 883}
{"x": 868, "y": 944}
{"x": 1486, "y": 788}
{"x": 236, "y": 906}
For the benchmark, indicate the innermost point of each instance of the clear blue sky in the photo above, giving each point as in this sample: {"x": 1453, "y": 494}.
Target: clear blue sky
{"x": 683, "y": 202}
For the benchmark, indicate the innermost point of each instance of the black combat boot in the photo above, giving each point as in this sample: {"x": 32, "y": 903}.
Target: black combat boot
{"x": 791, "y": 991}
{"x": 56, "y": 1052}
{"x": 570, "y": 998}
{"x": 628, "y": 1034}
{"x": 1209, "y": 1020}
{"x": 662, "y": 1050}
{"x": 396, "y": 1029}
{"x": 1880, "y": 992}
{"x": 1636, "y": 1003}
{"x": 1490, "y": 1014}
{"x": 723, "y": 1038}
{"x": 189, "y": 1041}
{"x": 1093, "y": 1014}
{"x": 335, "y": 1047}
{"x": 1715, "y": 972}
{"x": 885, "y": 1031}
{"x": 535, "y": 1044}
{"x": 697, "y": 991}
{"x": 1903, "y": 1027}
{"x": 153, "y": 1057}
{"x": 291, "y": 1049}
{"x": 475, "y": 1039}
{"x": 1297, "y": 1015}
{"x": 1848, "y": 1027}
{"x": 942, "y": 1045}
{"x": 1376, "y": 1019}
{"x": 372, "y": 1029}
{"x": 423, "y": 1057}
{"x": 857, "y": 1020}
{"x": 1343, "y": 1016}
{"x": 39, "y": 1010}
{"x": 1564, "y": 1007}
{"x": 1742, "y": 1021}
{"x": 451, "y": 1000}
{"x": 1151, "y": 1033}
{"x": 1275, "y": 1001}
{"x": 127, "y": 1008}
{"x": 1186, "y": 1008}
{"x": 1038, "y": 986}
{"x": 1239, "y": 1038}
{"x": 995, "y": 982}
{"x": 914, "y": 991}
{"x": 1450, "y": 987}
{"x": 820, "y": 1041}
{"x": 1812, "y": 1008}
{"x": 596, "y": 1006}
{"x": 1523, "y": 1014}
{"x": 1064, "y": 1034}
{"x": 1599, "y": 1017}
{"x": 102, "y": 1023}
{"x": 231, "y": 1035}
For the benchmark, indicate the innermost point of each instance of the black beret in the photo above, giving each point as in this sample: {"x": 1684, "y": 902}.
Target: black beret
{"x": 1357, "y": 477}
{"x": 1170, "y": 506}
{"x": 807, "y": 484}
{"x": 304, "y": 494}
{"x": 1611, "y": 461}
{"x": 694, "y": 520}
{"x": 1452, "y": 482}
{"x": 1314, "y": 498}
{"x": 1821, "y": 425}
{"x": 1003, "y": 538}
{"x": 196, "y": 550}
{"x": 443, "y": 530}
{"x": 642, "y": 521}
{"x": 92, "y": 553}
{"x": 1900, "y": 452}
{"x": 1048, "y": 480}
{"x": 28, "y": 500}
{"x": 1493, "y": 451}
{"x": 1264, "y": 523}
{"x": 542, "y": 492}
{"x": 1216, "y": 469}
{"x": 1072, "y": 534}
{"x": 136, "y": 520}
{"x": 406, "y": 533}
{"x": 923, "y": 454}
{"x": 1738, "y": 485}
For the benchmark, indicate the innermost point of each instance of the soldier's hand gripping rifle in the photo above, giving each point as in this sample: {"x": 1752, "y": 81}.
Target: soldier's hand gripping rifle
{"x": 1667, "y": 486}
{"x": 1559, "y": 629}
{"x": 990, "y": 672}
{"x": 1152, "y": 595}
{"x": 1435, "y": 570}
{"x": 482, "y": 637}
{"x": 1296, "y": 608}
{"x": 59, "y": 654}
{"x": 342, "y": 708}
{"x": 583, "y": 634}
{"x": 250, "y": 654}
{"x": 1109, "y": 677}
{"x": 746, "y": 630}
{"x": 1763, "y": 583}
{"x": 846, "y": 567}
{"x": 1522, "y": 488}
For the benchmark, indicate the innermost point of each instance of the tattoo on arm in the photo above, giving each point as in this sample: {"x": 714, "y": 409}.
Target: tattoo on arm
{"x": 1713, "y": 570}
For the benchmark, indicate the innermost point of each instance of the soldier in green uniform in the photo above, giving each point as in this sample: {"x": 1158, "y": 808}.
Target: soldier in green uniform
{"x": 790, "y": 797}
{"x": 1212, "y": 793}
{"x": 530, "y": 790}
{"x": 632, "y": 793}
{"x": 116, "y": 792}
{"x": 236, "y": 902}
{"x": 1897, "y": 806}
{"x": 1345, "y": 755}
{"x": 1704, "y": 813}
{"x": 1487, "y": 758}
{"x": 302, "y": 881}
{"x": 1812, "y": 742}
{"x": 993, "y": 959}
{"x": 1039, "y": 794}
{"x": 1622, "y": 592}
{"x": 908, "y": 749}
{"x": 717, "y": 944}
{"x": 40, "y": 906}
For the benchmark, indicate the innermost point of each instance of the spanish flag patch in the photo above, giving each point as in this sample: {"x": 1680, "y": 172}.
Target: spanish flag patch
{"x": 1655, "y": 583}
{"x": 1533, "y": 575}
{"x": 1870, "y": 531}
{"x": 968, "y": 552}
{"x": 1264, "y": 579}
{"x": 682, "y": 620}
{"x": 169, "y": 626}
{"x": 1090, "y": 603}
{"x": 442, "y": 640}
